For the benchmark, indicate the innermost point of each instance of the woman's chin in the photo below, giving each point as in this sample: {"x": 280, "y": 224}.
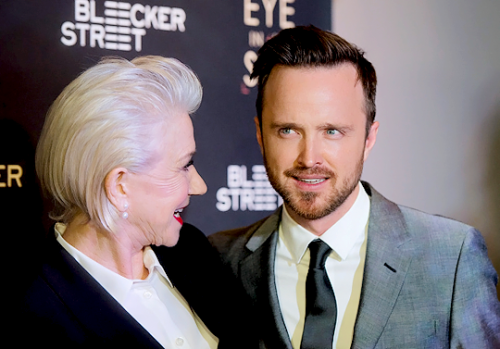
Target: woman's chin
{"x": 171, "y": 237}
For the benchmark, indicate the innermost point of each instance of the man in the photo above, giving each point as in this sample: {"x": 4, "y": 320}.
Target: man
{"x": 339, "y": 265}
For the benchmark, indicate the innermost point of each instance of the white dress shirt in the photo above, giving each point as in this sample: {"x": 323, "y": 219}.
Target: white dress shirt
{"x": 154, "y": 302}
{"x": 344, "y": 266}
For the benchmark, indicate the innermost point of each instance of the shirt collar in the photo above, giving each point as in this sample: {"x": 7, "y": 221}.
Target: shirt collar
{"x": 341, "y": 237}
{"x": 117, "y": 285}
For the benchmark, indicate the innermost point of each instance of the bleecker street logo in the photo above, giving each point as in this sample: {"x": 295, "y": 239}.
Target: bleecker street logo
{"x": 242, "y": 194}
{"x": 13, "y": 175}
{"x": 123, "y": 25}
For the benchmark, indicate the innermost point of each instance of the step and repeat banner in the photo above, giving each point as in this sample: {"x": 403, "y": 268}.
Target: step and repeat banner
{"x": 45, "y": 44}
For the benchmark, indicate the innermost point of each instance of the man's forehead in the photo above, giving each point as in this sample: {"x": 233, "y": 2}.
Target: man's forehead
{"x": 324, "y": 94}
{"x": 281, "y": 69}
{"x": 285, "y": 80}
{"x": 290, "y": 78}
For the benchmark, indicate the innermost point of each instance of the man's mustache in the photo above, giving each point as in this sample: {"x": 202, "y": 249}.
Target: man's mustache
{"x": 308, "y": 171}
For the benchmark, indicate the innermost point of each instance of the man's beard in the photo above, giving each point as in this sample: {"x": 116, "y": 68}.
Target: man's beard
{"x": 302, "y": 202}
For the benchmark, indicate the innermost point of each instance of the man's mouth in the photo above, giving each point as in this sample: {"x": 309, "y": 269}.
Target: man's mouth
{"x": 177, "y": 215}
{"x": 311, "y": 175}
{"x": 311, "y": 180}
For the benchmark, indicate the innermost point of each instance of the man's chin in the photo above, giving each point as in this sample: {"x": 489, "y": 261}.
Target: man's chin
{"x": 314, "y": 206}
{"x": 310, "y": 210}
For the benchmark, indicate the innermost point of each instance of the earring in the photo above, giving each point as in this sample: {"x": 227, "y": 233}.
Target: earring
{"x": 125, "y": 214}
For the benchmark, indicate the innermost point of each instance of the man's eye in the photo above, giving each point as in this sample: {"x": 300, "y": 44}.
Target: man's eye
{"x": 332, "y": 132}
{"x": 286, "y": 131}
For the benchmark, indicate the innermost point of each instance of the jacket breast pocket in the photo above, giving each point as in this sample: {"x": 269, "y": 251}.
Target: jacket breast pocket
{"x": 424, "y": 334}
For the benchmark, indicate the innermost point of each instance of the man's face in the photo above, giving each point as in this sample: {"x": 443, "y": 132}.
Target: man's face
{"x": 313, "y": 138}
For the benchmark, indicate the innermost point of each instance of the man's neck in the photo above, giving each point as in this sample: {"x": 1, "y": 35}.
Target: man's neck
{"x": 319, "y": 226}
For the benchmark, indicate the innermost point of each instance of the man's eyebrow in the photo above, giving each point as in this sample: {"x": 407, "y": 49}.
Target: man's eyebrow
{"x": 340, "y": 127}
{"x": 284, "y": 125}
{"x": 325, "y": 126}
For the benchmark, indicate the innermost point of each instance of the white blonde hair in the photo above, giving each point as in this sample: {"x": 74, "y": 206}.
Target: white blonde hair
{"x": 102, "y": 120}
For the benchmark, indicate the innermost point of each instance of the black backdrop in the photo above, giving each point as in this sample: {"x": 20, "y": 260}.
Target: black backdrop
{"x": 46, "y": 44}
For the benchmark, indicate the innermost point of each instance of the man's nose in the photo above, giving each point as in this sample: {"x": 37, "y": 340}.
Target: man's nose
{"x": 310, "y": 152}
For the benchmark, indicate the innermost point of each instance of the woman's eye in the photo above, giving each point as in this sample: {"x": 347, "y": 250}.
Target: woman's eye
{"x": 189, "y": 164}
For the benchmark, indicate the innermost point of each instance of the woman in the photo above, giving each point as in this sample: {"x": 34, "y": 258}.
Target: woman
{"x": 115, "y": 154}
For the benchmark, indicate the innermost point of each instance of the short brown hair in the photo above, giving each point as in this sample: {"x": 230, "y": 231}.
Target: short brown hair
{"x": 308, "y": 46}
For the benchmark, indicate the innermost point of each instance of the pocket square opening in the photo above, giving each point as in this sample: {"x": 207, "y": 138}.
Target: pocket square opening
{"x": 389, "y": 267}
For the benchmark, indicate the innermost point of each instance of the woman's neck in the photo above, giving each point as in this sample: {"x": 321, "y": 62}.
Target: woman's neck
{"x": 114, "y": 251}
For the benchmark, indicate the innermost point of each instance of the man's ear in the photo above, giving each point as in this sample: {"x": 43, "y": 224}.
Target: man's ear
{"x": 258, "y": 134}
{"x": 370, "y": 139}
{"x": 116, "y": 187}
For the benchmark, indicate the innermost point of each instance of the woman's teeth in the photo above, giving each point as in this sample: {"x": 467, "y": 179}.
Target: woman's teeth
{"x": 177, "y": 216}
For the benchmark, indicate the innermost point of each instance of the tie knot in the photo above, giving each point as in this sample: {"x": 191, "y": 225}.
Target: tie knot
{"x": 319, "y": 253}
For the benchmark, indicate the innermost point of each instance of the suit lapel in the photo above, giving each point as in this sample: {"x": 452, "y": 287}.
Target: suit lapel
{"x": 94, "y": 308}
{"x": 258, "y": 277}
{"x": 388, "y": 258}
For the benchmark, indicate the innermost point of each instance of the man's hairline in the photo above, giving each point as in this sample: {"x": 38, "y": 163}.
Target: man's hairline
{"x": 324, "y": 66}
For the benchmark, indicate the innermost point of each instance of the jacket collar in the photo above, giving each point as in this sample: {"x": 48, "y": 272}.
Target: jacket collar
{"x": 96, "y": 310}
{"x": 388, "y": 258}
{"x": 258, "y": 278}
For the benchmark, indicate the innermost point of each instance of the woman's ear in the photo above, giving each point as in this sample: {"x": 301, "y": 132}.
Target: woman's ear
{"x": 116, "y": 188}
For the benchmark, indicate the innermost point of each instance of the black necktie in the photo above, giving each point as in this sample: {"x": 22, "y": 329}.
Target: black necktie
{"x": 321, "y": 306}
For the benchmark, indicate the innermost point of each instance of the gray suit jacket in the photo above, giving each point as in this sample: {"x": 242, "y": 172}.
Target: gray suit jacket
{"x": 427, "y": 283}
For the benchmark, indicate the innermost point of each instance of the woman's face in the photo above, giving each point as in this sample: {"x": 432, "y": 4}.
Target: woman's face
{"x": 157, "y": 196}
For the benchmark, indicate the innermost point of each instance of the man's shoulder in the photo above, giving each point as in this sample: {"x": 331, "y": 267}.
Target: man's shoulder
{"x": 413, "y": 215}
{"x": 438, "y": 237}
{"x": 437, "y": 227}
{"x": 226, "y": 239}
{"x": 419, "y": 224}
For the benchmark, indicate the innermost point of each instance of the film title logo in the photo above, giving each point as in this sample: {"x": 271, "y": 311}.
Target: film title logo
{"x": 242, "y": 194}
{"x": 265, "y": 9}
{"x": 12, "y": 173}
{"x": 122, "y": 25}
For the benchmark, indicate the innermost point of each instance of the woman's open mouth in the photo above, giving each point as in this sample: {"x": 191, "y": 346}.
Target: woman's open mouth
{"x": 177, "y": 215}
